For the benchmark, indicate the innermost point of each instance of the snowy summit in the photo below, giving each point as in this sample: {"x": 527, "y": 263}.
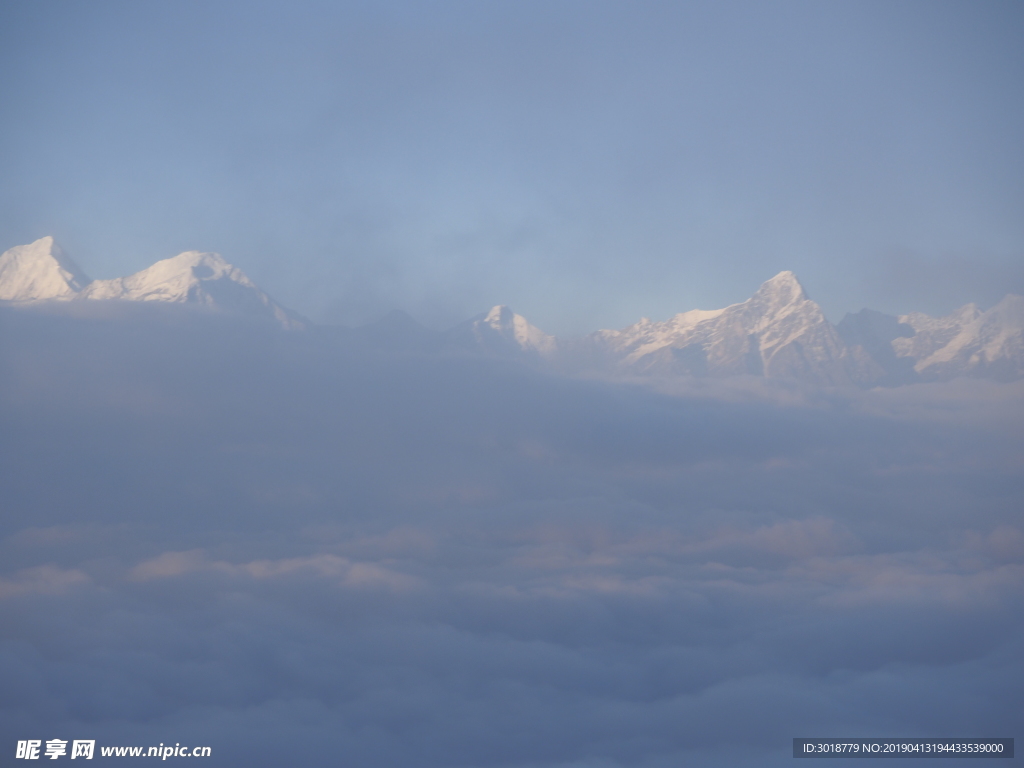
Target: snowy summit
{"x": 778, "y": 333}
{"x": 41, "y": 271}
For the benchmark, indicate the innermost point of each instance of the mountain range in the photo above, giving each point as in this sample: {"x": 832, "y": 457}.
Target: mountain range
{"x": 778, "y": 333}
{"x": 41, "y": 271}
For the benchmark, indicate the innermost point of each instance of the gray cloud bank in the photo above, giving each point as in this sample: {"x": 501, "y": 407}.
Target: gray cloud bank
{"x": 300, "y": 551}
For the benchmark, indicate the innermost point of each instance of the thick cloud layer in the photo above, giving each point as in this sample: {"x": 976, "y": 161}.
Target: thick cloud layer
{"x": 297, "y": 551}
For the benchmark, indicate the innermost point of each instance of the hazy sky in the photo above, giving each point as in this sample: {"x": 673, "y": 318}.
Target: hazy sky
{"x": 586, "y": 163}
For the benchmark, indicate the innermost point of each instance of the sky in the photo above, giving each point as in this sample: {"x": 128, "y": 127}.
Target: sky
{"x": 586, "y": 163}
{"x": 362, "y": 548}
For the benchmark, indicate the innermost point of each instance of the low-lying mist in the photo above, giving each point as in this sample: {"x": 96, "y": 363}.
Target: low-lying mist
{"x": 297, "y": 549}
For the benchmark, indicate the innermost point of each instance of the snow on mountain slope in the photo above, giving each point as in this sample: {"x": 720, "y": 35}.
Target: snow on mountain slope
{"x": 989, "y": 343}
{"x": 502, "y": 332}
{"x": 777, "y": 333}
{"x": 39, "y": 271}
{"x": 966, "y": 342}
{"x": 646, "y": 336}
{"x": 195, "y": 278}
{"x": 932, "y": 333}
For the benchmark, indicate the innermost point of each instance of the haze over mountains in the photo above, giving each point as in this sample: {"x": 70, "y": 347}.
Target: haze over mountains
{"x": 421, "y": 548}
{"x": 779, "y": 333}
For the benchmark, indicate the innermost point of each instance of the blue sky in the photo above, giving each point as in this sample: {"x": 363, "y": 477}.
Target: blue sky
{"x": 585, "y": 163}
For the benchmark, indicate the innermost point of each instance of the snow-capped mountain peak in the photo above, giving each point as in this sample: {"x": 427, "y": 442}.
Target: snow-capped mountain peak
{"x": 778, "y": 332}
{"x": 197, "y": 278}
{"x": 499, "y": 317}
{"x": 990, "y": 342}
{"x": 526, "y": 336}
{"x": 782, "y": 289}
{"x": 966, "y": 342}
{"x": 39, "y": 271}
{"x": 501, "y": 331}
{"x": 780, "y": 295}
{"x": 178, "y": 278}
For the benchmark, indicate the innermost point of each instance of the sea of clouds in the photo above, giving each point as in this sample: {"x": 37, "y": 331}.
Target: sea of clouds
{"x": 300, "y": 551}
